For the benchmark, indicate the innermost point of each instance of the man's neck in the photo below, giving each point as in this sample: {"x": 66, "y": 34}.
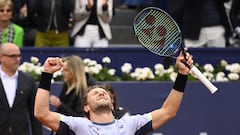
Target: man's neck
{"x": 102, "y": 117}
{"x": 7, "y": 71}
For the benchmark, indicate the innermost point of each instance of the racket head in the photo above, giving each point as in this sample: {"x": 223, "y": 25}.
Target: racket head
{"x": 157, "y": 31}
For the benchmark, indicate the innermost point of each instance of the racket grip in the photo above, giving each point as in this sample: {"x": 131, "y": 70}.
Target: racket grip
{"x": 203, "y": 79}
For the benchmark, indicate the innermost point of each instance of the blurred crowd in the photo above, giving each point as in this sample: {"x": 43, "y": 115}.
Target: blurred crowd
{"x": 86, "y": 23}
{"x": 204, "y": 23}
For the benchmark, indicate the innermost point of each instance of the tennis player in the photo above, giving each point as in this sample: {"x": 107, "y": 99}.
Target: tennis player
{"x": 98, "y": 107}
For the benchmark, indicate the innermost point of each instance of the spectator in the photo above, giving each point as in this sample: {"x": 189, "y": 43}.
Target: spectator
{"x": 52, "y": 18}
{"x": 9, "y": 32}
{"x": 21, "y": 18}
{"x": 97, "y": 106}
{"x": 205, "y": 23}
{"x": 235, "y": 18}
{"x": 118, "y": 111}
{"x": 91, "y": 27}
{"x": 17, "y": 98}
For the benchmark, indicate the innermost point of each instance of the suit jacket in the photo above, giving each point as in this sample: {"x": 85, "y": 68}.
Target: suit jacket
{"x": 22, "y": 111}
{"x": 41, "y": 11}
{"x": 81, "y": 16}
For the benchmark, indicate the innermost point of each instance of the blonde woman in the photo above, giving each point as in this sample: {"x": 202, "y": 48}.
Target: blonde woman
{"x": 76, "y": 82}
{"x": 9, "y": 32}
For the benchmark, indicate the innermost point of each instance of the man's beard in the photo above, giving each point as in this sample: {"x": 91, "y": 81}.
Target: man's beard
{"x": 103, "y": 107}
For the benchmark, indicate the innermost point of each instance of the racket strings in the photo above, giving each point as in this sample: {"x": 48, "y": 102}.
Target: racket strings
{"x": 173, "y": 35}
{"x": 156, "y": 41}
{"x": 170, "y": 38}
{"x": 148, "y": 42}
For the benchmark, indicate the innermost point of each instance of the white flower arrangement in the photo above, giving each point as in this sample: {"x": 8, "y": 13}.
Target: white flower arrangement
{"x": 223, "y": 72}
{"x": 35, "y": 68}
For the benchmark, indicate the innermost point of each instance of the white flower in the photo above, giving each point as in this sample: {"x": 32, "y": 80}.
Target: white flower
{"x": 209, "y": 76}
{"x": 208, "y": 68}
{"x": 158, "y": 66}
{"x": 86, "y": 61}
{"x": 234, "y": 68}
{"x": 143, "y": 73}
{"x": 94, "y": 69}
{"x": 149, "y": 73}
{"x": 173, "y": 76}
{"x": 89, "y": 63}
{"x": 91, "y": 66}
{"x": 22, "y": 67}
{"x": 93, "y": 63}
{"x": 136, "y": 73}
{"x": 223, "y": 63}
{"x": 38, "y": 70}
{"x": 159, "y": 69}
{"x": 220, "y": 77}
{"x": 169, "y": 70}
{"x": 34, "y": 60}
{"x": 90, "y": 70}
{"x": 27, "y": 67}
{"x": 126, "y": 68}
{"x": 233, "y": 76}
{"x": 112, "y": 72}
{"x": 106, "y": 60}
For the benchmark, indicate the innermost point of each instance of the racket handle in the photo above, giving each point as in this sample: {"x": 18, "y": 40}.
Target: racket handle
{"x": 203, "y": 79}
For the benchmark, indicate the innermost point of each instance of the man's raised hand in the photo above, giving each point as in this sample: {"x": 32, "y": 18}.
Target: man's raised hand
{"x": 52, "y": 64}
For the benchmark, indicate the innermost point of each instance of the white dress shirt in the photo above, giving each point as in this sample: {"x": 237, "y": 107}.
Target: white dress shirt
{"x": 10, "y": 86}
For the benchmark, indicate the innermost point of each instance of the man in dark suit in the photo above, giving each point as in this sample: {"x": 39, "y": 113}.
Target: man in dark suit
{"x": 17, "y": 94}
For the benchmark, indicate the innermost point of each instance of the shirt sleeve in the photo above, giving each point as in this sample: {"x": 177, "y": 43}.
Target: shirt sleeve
{"x": 141, "y": 123}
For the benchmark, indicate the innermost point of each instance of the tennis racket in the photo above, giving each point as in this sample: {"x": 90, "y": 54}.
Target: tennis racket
{"x": 157, "y": 31}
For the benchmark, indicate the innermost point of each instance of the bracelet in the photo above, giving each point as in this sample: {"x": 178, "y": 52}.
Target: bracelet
{"x": 180, "y": 82}
{"x": 45, "y": 81}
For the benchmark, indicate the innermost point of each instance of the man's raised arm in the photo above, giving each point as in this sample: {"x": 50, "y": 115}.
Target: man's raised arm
{"x": 41, "y": 110}
{"x": 172, "y": 103}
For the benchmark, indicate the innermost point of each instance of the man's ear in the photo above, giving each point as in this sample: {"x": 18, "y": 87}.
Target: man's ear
{"x": 86, "y": 108}
{"x": 112, "y": 107}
